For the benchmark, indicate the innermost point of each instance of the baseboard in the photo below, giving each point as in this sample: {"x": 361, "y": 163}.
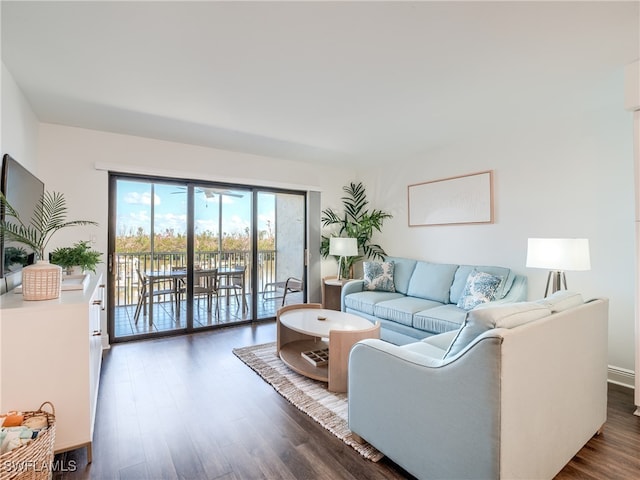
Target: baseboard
{"x": 621, "y": 376}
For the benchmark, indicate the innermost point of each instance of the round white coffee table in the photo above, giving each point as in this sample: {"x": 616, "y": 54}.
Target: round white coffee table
{"x": 307, "y": 335}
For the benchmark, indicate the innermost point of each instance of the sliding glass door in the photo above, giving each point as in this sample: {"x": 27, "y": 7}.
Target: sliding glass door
{"x": 222, "y": 255}
{"x": 186, "y": 256}
{"x": 150, "y": 242}
{"x": 282, "y": 249}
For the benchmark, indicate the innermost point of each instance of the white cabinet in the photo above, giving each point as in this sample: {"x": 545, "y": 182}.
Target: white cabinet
{"x": 51, "y": 351}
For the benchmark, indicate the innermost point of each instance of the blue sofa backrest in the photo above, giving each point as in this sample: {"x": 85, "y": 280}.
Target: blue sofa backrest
{"x": 402, "y": 272}
{"x": 440, "y": 281}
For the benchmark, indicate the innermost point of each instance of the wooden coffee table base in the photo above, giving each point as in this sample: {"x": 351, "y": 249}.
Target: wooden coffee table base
{"x": 291, "y": 344}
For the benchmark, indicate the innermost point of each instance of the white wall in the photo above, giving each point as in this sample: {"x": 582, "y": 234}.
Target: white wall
{"x": 2, "y": 69}
{"x": 568, "y": 177}
{"x": 19, "y": 130}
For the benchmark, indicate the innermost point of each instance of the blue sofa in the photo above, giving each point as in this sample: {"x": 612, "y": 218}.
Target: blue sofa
{"x": 425, "y": 299}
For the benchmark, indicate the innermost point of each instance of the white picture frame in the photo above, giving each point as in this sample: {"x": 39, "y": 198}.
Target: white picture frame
{"x": 465, "y": 199}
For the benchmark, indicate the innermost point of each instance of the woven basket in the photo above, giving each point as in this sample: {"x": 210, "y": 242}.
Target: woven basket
{"x": 41, "y": 281}
{"x": 33, "y": 461}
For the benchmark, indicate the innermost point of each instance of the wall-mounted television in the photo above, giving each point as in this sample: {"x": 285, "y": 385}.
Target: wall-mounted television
{"x": 23, "y": 191}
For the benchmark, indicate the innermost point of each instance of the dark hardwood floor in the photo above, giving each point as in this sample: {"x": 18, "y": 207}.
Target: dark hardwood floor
{"x": 186, "y": 408}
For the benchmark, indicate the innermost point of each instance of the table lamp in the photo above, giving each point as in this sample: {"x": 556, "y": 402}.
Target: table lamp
{"x": 558, "y": 255}
{"x": 342, "y": 247}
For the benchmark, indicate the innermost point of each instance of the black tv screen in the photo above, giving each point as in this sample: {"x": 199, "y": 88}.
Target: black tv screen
{"x": 23, "y": 191}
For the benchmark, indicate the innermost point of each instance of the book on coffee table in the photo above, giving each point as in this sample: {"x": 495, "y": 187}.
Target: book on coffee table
{"x": 317, "y": 358}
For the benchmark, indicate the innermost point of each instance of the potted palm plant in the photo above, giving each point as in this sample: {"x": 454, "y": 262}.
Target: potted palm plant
{"x": 48, "y": 217}
{"x": 357, "y": 222}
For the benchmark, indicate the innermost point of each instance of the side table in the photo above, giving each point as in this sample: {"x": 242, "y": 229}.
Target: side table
{"x": 332, "y": 292}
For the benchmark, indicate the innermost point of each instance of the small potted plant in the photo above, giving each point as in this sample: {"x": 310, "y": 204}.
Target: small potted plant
{"x": 79, "y": 255}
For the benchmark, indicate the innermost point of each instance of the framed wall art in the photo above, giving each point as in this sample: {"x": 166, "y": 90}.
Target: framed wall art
{"x": 451, "y": 201}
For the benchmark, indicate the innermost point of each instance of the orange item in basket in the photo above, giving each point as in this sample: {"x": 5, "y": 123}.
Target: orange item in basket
{"x": 13, "y": 419}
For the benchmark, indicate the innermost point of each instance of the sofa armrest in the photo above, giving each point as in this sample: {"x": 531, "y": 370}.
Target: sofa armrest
{"x": 422, "y": 412}
{"x": 350, "y": 287}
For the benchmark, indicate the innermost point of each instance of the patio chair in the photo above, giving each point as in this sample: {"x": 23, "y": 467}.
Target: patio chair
{"x": 292, "y": 285}
{"x": 205, "y": 283}
{"x": 143, "y": 293}
{"x": 234, "y": 282}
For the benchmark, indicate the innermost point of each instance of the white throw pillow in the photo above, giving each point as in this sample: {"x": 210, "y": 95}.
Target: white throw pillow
{"x": 561, "y": 300}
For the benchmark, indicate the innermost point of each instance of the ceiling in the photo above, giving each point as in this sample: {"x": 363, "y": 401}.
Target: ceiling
{"x": 326, "y": 82}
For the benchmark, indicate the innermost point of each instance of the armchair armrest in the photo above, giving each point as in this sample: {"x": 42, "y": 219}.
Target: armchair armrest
{"x": 427, "y": 414}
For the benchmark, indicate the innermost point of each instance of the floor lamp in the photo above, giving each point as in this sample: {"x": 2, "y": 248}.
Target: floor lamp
{"x": 342, "y": 247}
{"x": 558, "y": 255}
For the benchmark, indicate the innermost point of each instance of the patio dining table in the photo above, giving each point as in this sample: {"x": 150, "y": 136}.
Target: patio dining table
{"x": 180, "y": 274}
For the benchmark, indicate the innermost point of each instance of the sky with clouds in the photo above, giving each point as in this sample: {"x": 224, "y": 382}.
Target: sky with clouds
{"x": 134, "y": 209}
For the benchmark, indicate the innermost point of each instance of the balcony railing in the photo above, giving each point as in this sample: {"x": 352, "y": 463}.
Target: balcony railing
{"x": 127, "y": 264}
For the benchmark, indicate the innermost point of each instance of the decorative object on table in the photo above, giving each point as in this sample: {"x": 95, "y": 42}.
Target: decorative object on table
{"x": 357, "y": 222}
{"x": 558, "y": 255}
{"x": 79, "y": 255}
{"x": 317, "y": 358}
{"x": 328, "y": 409}
{"x": 41, "y": 281}
{"x": 450, "y": 201}
{"x": 33, "y": 459}
{"x": 342, "y": 247}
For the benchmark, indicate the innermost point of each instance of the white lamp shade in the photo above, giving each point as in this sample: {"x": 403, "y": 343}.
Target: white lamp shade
{"x": 559, "y": 254}
{"x": 343, "y": 247}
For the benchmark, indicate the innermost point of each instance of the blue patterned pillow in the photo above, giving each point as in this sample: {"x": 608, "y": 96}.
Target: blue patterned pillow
{"x": 481, "y": 287}
{"x": 378, "y": 276}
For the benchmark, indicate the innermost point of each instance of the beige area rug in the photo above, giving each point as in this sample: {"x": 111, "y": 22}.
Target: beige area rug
{"x": 312, "y": 397}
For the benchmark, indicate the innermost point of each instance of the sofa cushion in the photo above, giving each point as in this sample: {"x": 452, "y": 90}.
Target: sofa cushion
{"x": 442, "y": 340}
{"x": 460, "y": 280}
{"x": 432, "y": 281}
{"x": 485, "y": 318}
{"x": 481, "y": 287}
{"x": 561, "y": 300}
{"x": 378, "y": 276}
{"x": 365, "y": 301}
{"x": 439, "y": 319}
{"x": 398, "y": 334}
{"x": 402, "y": 271}
{"x": 401, "y": 310}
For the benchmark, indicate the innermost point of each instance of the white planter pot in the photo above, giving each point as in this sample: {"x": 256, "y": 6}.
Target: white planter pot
{"x": 42, "y": 281}
{"x": 74, "y": 270}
